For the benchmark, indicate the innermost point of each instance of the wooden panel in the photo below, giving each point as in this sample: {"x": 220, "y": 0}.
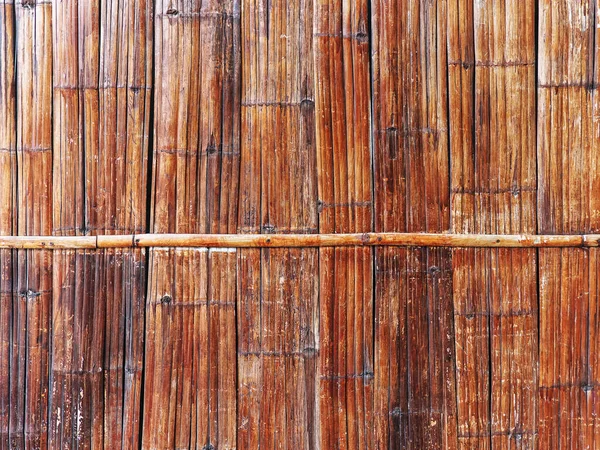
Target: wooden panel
{"x": 102, "y": 82}
{"x": 342, "y": 94}
{"x": 493, "y": 183}
{"x": 568, "y": 118}
{"x": 492, "y": 102}
{"x": 346, "y": 347}
{"x": 196, "y": 116}
{"x": 568, "y": 337}
{"x": 97, "y": 335}
{"x": 278, "y": 162}
{"x": 567, "y": 146}
{"x": 414, "y": 350}
{"x": 190, "y": 359}
{"x": 410, "y": 116}
{"x": 278, "y": 347}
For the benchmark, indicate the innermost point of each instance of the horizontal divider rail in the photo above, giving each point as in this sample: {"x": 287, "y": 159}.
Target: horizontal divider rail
{"x": 300, "y": 240}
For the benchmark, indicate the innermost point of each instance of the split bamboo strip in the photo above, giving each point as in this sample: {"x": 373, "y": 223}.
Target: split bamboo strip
{"x": 493, "y": 182}
{"x": 414, "y": 348}
{"x": 76, "y": 400}
{"x": 8, "y": 157}
{"x": 568, "y": 180}
{"x": 342, "y": 100}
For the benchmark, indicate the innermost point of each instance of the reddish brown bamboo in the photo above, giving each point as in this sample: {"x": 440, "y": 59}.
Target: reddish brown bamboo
{"x": 299, "y": 224}
{"x": 493, "y": 181}
{"x": 568, "y": 165}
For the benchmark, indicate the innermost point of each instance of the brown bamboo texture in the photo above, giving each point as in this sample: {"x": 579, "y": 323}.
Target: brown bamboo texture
{"x": 299, "y": 224}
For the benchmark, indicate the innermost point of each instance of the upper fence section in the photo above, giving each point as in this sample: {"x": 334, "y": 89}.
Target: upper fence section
{"x": 301, "y": 117}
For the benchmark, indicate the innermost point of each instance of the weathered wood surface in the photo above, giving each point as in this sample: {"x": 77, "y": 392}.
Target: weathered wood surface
{"x": 384, "y": 216}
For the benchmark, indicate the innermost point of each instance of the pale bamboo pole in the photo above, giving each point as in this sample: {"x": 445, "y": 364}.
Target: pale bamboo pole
{"x": 301, "y": 240}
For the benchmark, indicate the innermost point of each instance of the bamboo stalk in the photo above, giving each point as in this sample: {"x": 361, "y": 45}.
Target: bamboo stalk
{"x": 302, "y": 240}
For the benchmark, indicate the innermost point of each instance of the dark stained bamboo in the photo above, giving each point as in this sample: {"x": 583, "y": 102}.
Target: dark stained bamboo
{"x": 414, "y": 348}
{"x": 568, "y": 164}
{"x": 342, "y": 107}
{"x": 102, "y": 79}
{"x": 492, "y": 98}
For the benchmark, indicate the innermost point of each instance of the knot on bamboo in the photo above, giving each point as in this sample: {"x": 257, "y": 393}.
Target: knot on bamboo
{"x": 28, "y": 4}
{"x": 172, "y": 12}
{"x": 166, "y": 299}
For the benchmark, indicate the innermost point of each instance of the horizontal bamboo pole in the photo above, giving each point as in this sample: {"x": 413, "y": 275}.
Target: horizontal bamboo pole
{"x": 299, "y": 240}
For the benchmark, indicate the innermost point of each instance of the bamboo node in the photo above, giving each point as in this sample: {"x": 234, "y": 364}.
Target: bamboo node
{"x": 29, "y": 294}
{"x": 309, "y": 351}
{"x": 396, "y": 412}
{"x": 434, "y": 270}
{"x": 268, "y": 228}
{"x": 307, "y": 103}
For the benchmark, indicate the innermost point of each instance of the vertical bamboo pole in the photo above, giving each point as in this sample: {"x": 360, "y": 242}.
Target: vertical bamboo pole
{"x": 568, "y": 165}
{"x": 32, "y": 302}
{"x": 492, "y": 93}
{"x": 8, "y": 157}
{"x": 414, "y": 348}
{"x": 278, "y": 343}
{"x": 342, "y": 95}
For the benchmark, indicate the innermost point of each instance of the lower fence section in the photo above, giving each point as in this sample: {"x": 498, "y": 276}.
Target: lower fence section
{"x": 300, "y": 348}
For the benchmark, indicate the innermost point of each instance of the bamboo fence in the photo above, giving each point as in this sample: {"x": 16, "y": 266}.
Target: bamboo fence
{"x": 299, "y": 224}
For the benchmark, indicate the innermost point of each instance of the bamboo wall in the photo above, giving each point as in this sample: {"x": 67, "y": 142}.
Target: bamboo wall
{"x": 293, "y": 117}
